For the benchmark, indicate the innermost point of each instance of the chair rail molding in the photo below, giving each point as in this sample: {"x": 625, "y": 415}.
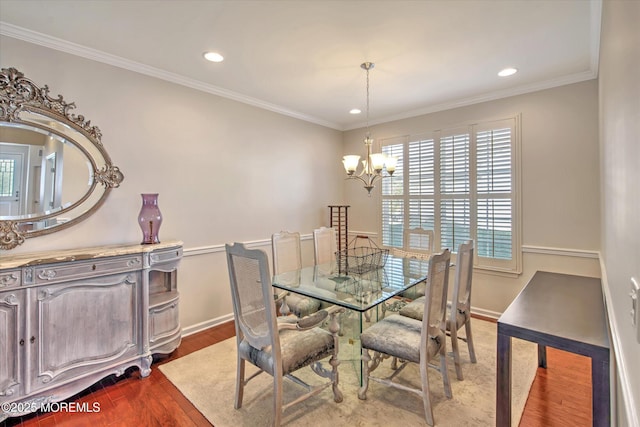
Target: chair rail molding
{"x": 251, "y": 244}
{"x": 545, "y": 250}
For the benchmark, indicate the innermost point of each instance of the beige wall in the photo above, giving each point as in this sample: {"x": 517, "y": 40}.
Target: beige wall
{"x": 560, "y": 194}
{"x": 620, "y": 163}
{"x": 225, "y": 171}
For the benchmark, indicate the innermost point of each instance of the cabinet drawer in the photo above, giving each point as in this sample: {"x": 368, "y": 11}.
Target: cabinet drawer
{"x": 89, "y": 268}
{"x": 164, "y": 322}
{"x": 166, "y": 255}
{"x": 10, "y": 278}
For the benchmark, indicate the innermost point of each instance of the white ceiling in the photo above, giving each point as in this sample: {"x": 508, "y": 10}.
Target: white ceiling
{"x": 302, "y": 58}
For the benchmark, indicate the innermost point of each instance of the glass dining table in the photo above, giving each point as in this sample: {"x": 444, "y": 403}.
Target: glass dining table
{"x": 363, "y": 298}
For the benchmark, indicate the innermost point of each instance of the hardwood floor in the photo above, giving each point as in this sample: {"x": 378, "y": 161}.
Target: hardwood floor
{"x": 560, "y": 395}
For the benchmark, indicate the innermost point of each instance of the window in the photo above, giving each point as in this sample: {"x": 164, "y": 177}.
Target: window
{"x": 7, "y": 168}
{"x": 461, "y": 183}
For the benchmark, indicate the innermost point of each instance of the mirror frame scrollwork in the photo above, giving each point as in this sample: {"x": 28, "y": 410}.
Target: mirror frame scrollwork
{"x": 19, "y": 96}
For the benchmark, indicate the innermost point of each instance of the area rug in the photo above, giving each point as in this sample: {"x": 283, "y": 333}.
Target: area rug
{"x": 207, "y": 379}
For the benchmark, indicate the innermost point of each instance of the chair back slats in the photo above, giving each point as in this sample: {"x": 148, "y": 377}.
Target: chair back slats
{"x": 460, "y": 315}
{"x": 252, "y": 295}
{"x": 325, "y": 245}
{"x": 433, "y": 318}
{"x": 418, "y": 240}
{"x": 464, "y": 274}
{"x": 287, "y": 255}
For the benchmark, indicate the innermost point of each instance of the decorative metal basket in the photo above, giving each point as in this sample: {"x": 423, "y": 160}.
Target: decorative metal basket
{"x": 359, "y": 258}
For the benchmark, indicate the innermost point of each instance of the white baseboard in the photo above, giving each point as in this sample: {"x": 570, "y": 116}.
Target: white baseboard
{"x": 199, "y": 327}
{"x": 485, "y": 313}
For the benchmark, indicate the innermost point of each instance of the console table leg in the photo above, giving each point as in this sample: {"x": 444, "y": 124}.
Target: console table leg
{"x": 600, "y": 394}
{"x": 542, "y": 356}
{"x": 503, "y": 385}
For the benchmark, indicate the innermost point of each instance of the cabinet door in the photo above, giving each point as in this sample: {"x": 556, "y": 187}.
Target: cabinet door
{"x": 82, "y": 326}
{"x": 11, "y": 334}
{"x": 164, "y": 326}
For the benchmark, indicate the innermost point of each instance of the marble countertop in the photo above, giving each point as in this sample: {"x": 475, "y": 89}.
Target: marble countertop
{"x": 51, "y": 257}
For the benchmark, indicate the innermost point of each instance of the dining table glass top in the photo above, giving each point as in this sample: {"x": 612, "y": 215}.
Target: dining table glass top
{"x": 360, "y": 292}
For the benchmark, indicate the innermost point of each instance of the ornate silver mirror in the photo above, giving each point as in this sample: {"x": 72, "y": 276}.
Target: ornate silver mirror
{"x": 54, "y": 170}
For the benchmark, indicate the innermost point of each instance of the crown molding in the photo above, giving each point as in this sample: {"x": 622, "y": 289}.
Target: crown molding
{"x": 41, "y": 39}
{"x": 592, "y": 73}
{"x": 61, "y": 45}
{"x": 596, "y": 29}
{"x": 492, "y": 96}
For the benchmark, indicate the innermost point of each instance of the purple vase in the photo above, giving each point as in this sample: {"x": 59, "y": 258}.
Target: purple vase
{"x": 150, "y": 219}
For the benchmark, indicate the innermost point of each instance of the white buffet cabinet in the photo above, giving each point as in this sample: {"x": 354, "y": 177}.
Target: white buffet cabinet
{"x": 70, "y": 318}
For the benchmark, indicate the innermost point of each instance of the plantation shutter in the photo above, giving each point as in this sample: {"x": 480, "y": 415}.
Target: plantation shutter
{"x": 461, "y": 183}
{"x": 393, "y": 197}
{"x": 455, "y": 204}
{"x": 495, "y": 239}
{"x": 421, "y": 169}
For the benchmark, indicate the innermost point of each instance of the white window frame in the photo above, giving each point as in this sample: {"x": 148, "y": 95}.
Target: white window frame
{"x": 511, "y": 266}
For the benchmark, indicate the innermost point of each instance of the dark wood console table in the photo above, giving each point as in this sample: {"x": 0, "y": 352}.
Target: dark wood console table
{"x": 561, "y": 311}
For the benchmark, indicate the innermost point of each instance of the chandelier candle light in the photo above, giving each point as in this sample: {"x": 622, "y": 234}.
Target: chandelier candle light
{"x": 374, "y": 164}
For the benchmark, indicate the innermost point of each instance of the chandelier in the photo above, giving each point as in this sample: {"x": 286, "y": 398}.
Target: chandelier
{"x": 375, "y": 163}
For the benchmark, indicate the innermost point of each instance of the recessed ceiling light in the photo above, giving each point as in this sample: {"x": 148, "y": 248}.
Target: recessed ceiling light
{"x": 508, "y": 72}
{"x": 213, "y": 57}
{"x": 355, "y": 111}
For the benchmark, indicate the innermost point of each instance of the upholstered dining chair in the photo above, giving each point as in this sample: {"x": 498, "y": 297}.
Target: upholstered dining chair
{"x": 287, "y": 259}
{"x": 460, "y": 313}
{"x": 412, "y": 341}
{"x": 278, "y": 347}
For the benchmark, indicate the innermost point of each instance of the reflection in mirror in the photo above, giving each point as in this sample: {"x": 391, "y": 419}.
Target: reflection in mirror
{"x": 54, "y": 170}
{"x": 42, "y": 174}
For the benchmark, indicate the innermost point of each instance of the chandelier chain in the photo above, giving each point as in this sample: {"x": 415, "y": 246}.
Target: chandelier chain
{"x": 368, "y": 131}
